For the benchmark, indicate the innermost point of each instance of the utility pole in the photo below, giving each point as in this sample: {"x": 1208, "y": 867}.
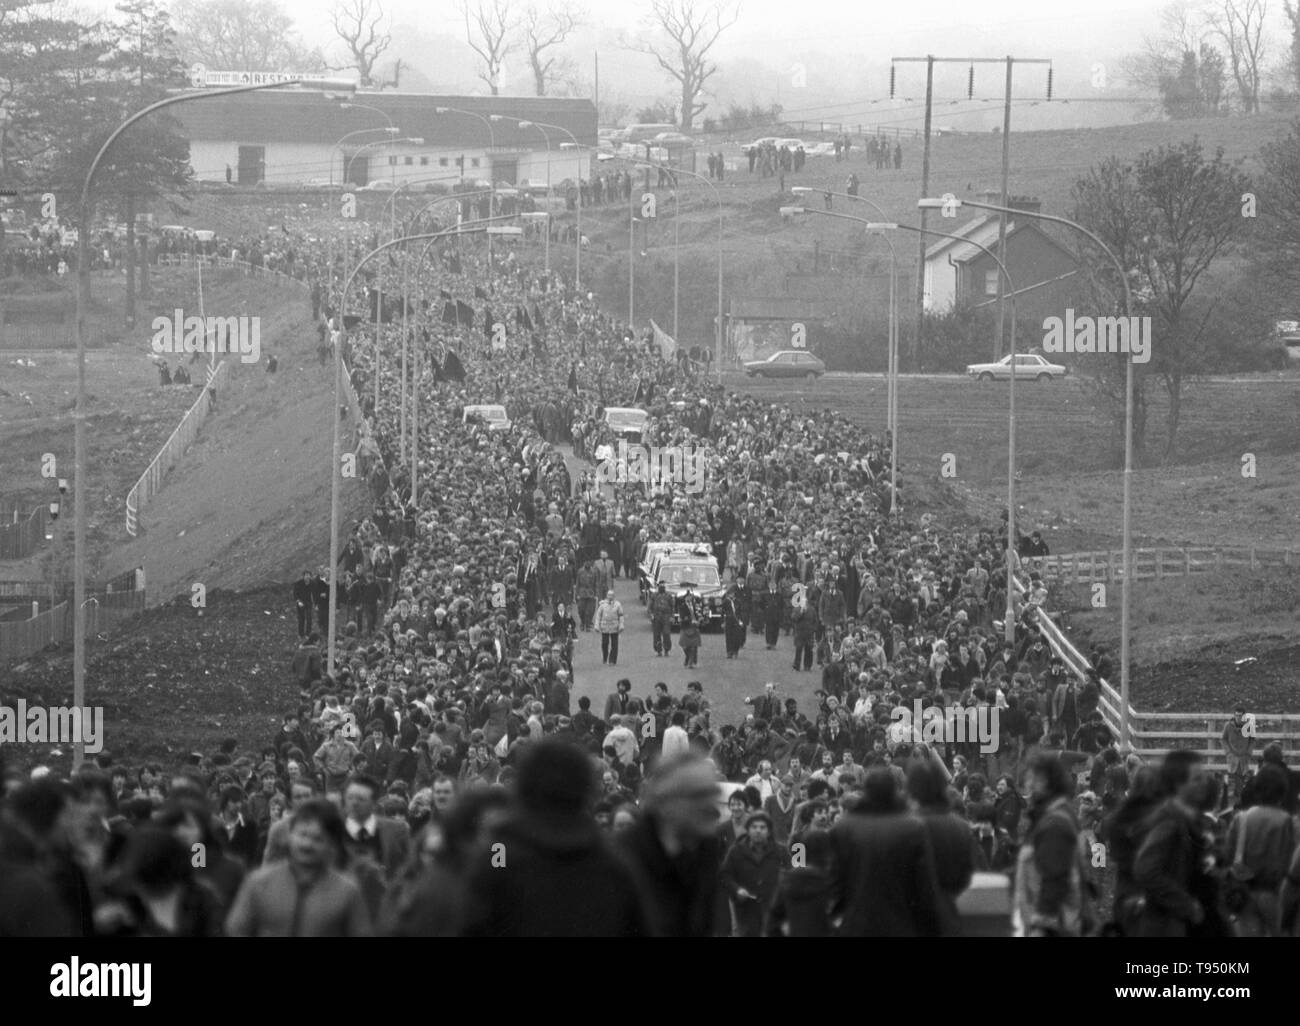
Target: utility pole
{"x": 930, "y": 61}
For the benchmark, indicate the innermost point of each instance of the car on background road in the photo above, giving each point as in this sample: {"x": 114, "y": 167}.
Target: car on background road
{"x": 1028, "y": 366}
{"x": 673, "y": 139}
{"x": 495, "y": 417}
{"x": 789, "y": 363}
{"x": 821, "y": 149}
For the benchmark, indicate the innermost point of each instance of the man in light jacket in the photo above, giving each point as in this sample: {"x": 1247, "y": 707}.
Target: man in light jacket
{"x": 610, "y": 622}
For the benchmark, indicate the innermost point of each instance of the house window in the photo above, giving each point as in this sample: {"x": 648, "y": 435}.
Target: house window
{"x": 392, "y": 162}
{"x": 424, "y": 162}
{"x": 991, "y": 283}
{"x": 443, "y": 162}
{"x": 408, "y": 161}
{"x": 473, "y": 162}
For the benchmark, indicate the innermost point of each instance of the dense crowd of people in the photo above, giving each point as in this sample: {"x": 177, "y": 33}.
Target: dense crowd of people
{"x": 442, "y": 781}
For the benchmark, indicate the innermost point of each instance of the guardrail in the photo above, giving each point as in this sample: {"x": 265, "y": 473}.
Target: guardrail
{"x": 23, "y": 536}
{"x": 173, "y": 449}
{"x": 1151, "y": 734}
{"x": 1158, "y": 563}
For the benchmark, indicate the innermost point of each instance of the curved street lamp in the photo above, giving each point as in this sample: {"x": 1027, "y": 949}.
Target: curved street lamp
{"x": 892, "y": 399}
{"x": 335, "y": 468}
{"x": 717, "y": 340}
{"x": 79, "y": 419}
{"x": 525, "y": 122}
{"x": 360, "y": 131}
{"x": 930, "y": 202}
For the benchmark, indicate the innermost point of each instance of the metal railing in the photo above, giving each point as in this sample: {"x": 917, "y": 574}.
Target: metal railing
{"x": 24, "y": 535}
{"x": 173, "y": 449}
{"x": 1154, "y": 733}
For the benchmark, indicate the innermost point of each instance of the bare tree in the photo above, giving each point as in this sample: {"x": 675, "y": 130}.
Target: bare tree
{"x": 1182, "y": 31}
{"x": 248, "y": 35}
{"x": 490, "y": 31}
{"x": 357, "y": 23}
{"x": 687, "y": 32}
{"x": 543, "y": 31}
{"x": 1293, "y": 20}
{"x": 1240, "y": 24}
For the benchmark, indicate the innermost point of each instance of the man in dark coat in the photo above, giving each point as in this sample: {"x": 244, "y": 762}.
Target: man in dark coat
{"x": 750, "y": 874}
{"x": 884, "y": 879}
{"x": 674, "y": 849}
{"x": 555, "y": 876}
{"x": 302, "y": 599}
{"x": 1168, "y": 867}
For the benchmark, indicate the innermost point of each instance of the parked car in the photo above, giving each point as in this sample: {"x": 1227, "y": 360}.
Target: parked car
{"x": 495, "y": 417}
{"x": 789, "y": 363}
{"x": 821, "y": 149}
{"x": 1028, "y": 365}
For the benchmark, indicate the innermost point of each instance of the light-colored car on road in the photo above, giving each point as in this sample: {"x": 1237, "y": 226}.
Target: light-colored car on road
{"x": 626, "y": 421}
{"x": 789, "y": 363}
{"x": 1028, "y": 366}
{"x": 495, "y": 417}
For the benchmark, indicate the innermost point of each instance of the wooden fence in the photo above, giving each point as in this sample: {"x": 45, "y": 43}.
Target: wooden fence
{"x": 1157, "y": 564}
{"x": 103, "y": 608}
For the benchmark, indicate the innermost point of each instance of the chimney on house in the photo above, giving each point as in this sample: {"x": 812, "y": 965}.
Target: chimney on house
{"x": 1032, "y": 204}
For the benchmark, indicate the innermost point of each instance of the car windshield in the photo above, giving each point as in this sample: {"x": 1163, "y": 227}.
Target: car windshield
{"x": 696, "y": 575}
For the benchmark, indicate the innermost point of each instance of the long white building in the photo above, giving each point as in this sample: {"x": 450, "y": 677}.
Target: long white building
{"x": 311, "y": 137}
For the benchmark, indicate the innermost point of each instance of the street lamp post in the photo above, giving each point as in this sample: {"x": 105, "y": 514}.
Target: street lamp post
{"x": 1125, "y": 740}
{"x": 891, "y": 345}
{"x": 1010, "y": 625}
{"x": 524, "y": 123}
{"x": 717, "y": 341}
{"x": 891, "y": 401}
{"x": 487, "y": 120}
{"x": 360, "y": 131}
{"x": 79, "y": 420}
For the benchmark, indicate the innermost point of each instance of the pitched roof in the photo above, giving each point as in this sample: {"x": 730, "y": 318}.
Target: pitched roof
{"x": 315, "y": 117}
{"x": 979, "y": 228}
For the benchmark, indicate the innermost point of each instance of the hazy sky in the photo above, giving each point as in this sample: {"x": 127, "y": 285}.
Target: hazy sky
{"x": 844, "y": 46}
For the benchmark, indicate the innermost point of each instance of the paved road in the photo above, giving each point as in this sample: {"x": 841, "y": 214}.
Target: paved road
{"x": 726, "y": 682}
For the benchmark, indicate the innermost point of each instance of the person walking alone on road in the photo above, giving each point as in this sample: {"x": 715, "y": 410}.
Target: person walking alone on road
{"x": 661, "y": 620}
{"x": 690, "y": 640}
{"x": 588, "y": 584}
{"x": 610, "y": 622}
